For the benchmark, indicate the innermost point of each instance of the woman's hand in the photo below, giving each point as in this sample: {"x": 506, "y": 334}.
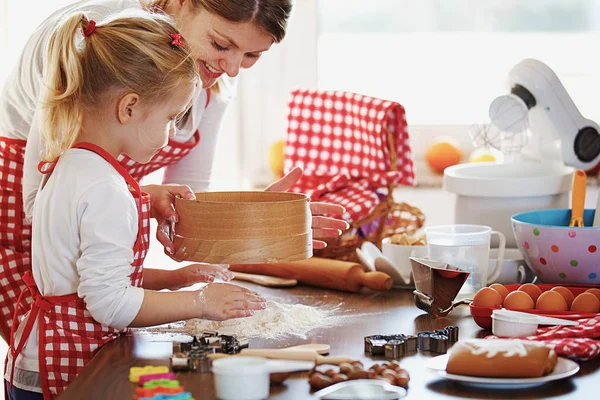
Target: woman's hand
{"x": 221, "y": 301}
{"x": 322, "y": 227}
{"x": 162, "y": 200}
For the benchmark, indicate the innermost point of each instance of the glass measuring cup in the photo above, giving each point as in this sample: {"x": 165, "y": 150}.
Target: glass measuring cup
{"x": 466, "y": 247}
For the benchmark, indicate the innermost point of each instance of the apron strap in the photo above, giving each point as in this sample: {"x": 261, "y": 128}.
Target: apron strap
{"x": 133, "y": 184}
{"x": 39, "y": 303}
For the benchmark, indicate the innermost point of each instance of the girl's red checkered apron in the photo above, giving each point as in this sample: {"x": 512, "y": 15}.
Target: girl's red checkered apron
{"x": 15, "y": 231}
{"x": 68, "y": 335}
{"x": 341, "y": 140}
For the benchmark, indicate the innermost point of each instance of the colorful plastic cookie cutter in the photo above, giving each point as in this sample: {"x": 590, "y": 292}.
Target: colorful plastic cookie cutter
{"x": 178, "y": 396}
{"x": 154, "y": 377}
{"x": 161, "y": 382}
{"x": 136, "y": 372}
{"x": 149, "y": 392}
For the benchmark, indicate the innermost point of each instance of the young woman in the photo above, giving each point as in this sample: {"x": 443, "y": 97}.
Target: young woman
{"x": 224, "y": 36}
{"x": 119, "y": 88}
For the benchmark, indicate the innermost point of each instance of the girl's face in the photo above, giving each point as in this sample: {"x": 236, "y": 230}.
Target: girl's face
{"x": 219, "y": 46}
{"x": 157, "y": 125}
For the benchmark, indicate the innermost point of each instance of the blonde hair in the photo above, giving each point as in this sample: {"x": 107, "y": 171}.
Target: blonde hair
{"x": 132, "y": 51}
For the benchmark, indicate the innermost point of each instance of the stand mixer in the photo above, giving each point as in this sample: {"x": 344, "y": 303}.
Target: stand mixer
{"x": 539, "y": 101}
{"x": 543, "y": 138}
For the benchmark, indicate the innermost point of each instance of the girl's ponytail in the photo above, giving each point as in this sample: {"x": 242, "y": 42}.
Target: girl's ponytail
{"x": 63, "y": 85}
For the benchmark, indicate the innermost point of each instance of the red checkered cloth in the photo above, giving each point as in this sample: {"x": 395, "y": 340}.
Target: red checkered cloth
{"x": 578, "y": 342}
{"x": 340, "y": 140}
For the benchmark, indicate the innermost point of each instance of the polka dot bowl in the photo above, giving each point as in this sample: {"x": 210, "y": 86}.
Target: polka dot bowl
{"x": 556, "y": 252}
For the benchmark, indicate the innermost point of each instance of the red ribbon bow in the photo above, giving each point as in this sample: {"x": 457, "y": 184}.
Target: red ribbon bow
{"x": 90, "y": 28}
{"x": 177, "y": 40}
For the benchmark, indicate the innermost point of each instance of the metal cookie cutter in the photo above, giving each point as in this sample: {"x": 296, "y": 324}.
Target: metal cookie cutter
{"x": 196, "y": 360}
{"x": 395, "y": 349}
{"x": 222, "y": 343}
{"x": 391, "y": 346}
{"x": 193, "y": 356}
{"x": 438, "y": 341}
{"x": 436, "y": 286}
{"x": 400, "y": 345}
{"x": 376, "y": 344}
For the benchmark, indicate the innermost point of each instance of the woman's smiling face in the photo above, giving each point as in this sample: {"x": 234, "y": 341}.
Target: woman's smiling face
{"x": 219, "y": 46}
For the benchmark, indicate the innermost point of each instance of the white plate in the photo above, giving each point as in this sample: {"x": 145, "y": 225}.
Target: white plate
{"x": 563, "y": 369}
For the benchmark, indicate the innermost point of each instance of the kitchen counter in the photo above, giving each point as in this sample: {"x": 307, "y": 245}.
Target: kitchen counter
{"x": 366, "y": 313}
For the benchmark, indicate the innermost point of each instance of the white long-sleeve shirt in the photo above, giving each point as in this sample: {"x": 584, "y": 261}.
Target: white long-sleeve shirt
{"x": 20, "y": 96}
{"x": 85, "y": 224}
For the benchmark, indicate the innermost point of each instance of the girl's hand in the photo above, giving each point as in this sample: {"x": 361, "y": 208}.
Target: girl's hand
{"x": 162, "y": 198}
{"x": 221, "y": 301}
{"x": 321, "y": 226}
{"x": 197, "y": 273}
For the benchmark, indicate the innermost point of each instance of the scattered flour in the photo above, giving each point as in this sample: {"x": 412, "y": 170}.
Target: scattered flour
{"x": 275, "y": 321}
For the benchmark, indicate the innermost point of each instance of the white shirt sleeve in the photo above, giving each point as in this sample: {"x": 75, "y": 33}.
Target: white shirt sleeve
{"x": 31, "y": 176}
{"x": 108, "y": 230}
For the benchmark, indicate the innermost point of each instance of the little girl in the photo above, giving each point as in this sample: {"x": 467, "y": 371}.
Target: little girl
{"x": 110, "y": 88}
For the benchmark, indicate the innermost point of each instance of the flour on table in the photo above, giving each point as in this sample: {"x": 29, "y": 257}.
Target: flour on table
{"x": 275, "y": 321}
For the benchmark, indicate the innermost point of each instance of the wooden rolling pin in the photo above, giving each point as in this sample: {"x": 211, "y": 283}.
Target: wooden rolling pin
{"x": 322, "y": 272}
{"x": 299, "y": 355}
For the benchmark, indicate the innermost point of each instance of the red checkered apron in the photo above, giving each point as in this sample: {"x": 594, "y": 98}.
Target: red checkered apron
{"x": 341, "y": 140}
{"x": 170, "y": 154}
{"x": 15, "y": 232}
{"x": 68, "y": 335}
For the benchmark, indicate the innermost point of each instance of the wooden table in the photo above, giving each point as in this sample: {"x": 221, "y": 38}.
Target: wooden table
{"x": 369, "y": 313}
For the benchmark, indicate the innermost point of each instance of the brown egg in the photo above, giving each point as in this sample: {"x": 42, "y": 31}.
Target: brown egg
{"x": 533, "y": 291}
{"x": 500, "y": 289}
{"x": 487, "y": 297}
{"x": 594, "y": 291}
{"x": 552, "y": 301}
{"x": 566, "y": 293}
{"x": 586, "y": 302}
{"x": 518, "y": 301}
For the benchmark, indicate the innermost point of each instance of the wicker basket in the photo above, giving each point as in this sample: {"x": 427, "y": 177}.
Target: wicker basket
{"x": 388, "y": 218}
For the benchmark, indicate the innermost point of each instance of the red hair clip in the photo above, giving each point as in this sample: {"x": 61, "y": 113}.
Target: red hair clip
{"x": 177, "y": 40}
{"x": 90, "y": 29}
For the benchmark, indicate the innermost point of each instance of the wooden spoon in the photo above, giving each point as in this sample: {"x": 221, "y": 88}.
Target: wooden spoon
{"x": 578, "y": 200}
{"x": 302, "y": 355}
{"x": 265, "y": 280}
{"x": 320, "y": 348}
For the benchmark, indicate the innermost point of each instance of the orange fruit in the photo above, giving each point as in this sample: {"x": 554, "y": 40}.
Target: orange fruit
{"x": 276, "y": 157}
{"x": 442, "y": 154}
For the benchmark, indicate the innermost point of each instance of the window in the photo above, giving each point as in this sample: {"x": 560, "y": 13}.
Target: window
{"x": 446, "y": 60}
{"x": 18, "y": 20}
